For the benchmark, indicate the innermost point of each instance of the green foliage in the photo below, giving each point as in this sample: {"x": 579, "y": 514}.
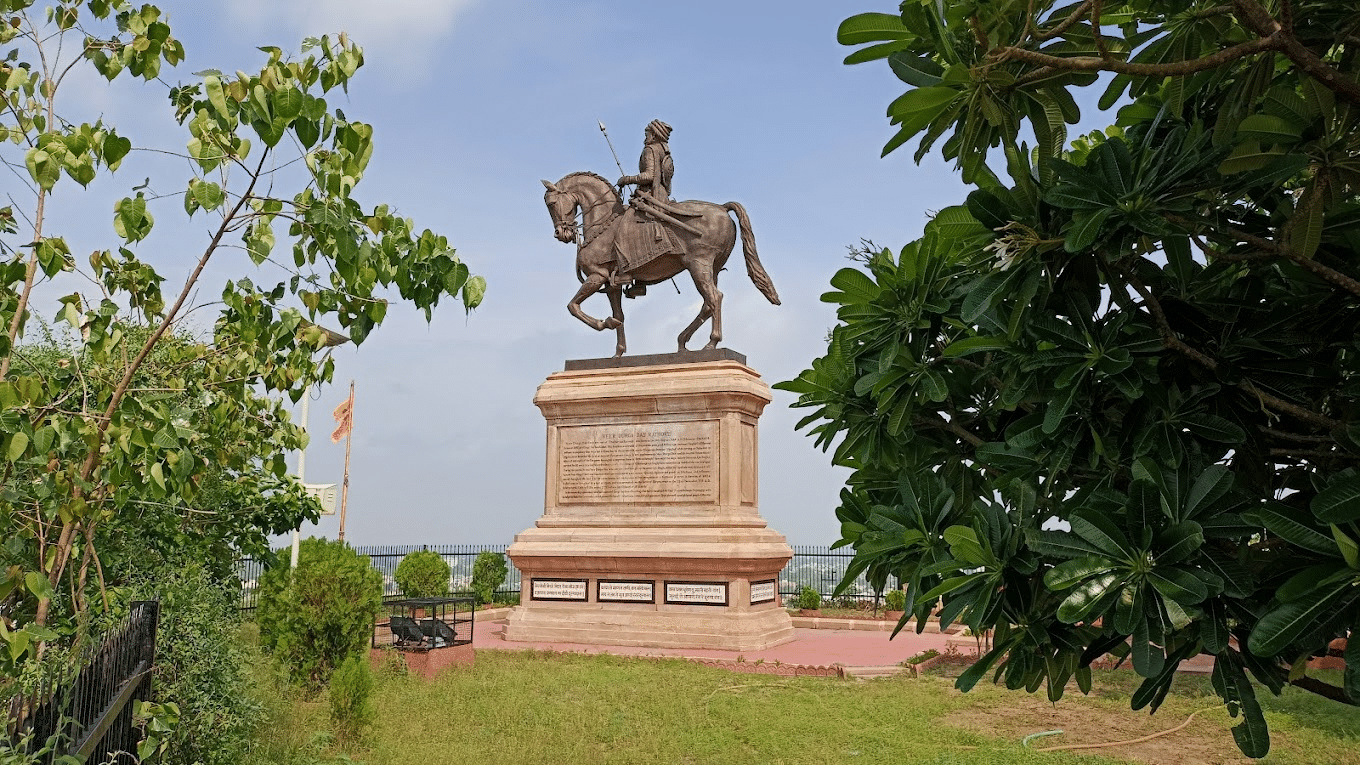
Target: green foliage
{"x": 809, "y": 599}
{"x": 315, "y": 616}
{"x": 488, "y": 574}
{"x": 351, "y": 697}
{"x": 126, "y": 431}
{"x": 200, "y": 668}
{"x": 1107, "y": 405}
{"x": 423, "y": 574}
{"x": 895, "y": 600}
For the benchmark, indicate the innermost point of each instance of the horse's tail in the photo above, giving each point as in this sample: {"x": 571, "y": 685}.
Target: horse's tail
{"x": 748, "y": 248}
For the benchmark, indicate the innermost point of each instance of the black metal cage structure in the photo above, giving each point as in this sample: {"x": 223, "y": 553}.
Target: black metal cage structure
{"x": 424, "y": 624}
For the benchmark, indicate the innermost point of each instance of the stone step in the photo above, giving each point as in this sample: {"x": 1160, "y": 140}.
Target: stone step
{"x": 871, "y": 625}
{"x": 867, "y": 673}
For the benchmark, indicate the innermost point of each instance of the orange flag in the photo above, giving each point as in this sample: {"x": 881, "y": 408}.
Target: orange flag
{"x": 344, "y": 418}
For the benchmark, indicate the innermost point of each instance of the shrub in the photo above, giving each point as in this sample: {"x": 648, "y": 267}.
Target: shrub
{"x": 809, "y": 599}
{"x": 925, "y": 655}
{"x": 488, "y": 574}
{"x": 315, "y": 617}
{"x": 200, "y": 663}
{"x": 201, "y": 668}
{"x": 895, "y": 600}
{"x": 423, "y": 574}
{"x": 352, "y": 711}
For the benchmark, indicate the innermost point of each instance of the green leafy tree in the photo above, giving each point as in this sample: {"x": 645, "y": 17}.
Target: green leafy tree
{"x": 317, "y": 615}
{"x": 423, "y": 574}
{"x": 488, "y": 574}
{"x": 1108, "y": 405}
{"x": 93, "y": 440}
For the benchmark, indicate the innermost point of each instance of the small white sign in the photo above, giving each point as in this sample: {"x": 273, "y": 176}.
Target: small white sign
{"x": 699, "y": 593}
{"x": 324, "y": 493}
{"x": 558, "y": 589}
{"x": 762, "y": 592}
{"x": 626, "y": 592}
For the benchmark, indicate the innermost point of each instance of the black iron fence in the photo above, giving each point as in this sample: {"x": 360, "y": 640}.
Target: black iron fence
{"x": 385, "y": 558}
{"x": 815, "y": 566}
{"x": 90, "y": 714}
{"x": 821, "y": 568}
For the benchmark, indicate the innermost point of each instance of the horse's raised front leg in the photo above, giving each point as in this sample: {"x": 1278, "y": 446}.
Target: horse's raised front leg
{"x": 589, "y": 287}
{"x": 616, "y": 304}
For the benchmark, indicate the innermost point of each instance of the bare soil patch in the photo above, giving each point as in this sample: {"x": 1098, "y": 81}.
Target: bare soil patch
{"x": 1205, "y": 741}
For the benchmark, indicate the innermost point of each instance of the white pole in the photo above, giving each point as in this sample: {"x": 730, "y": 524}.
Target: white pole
{"x": 302, "y": 467}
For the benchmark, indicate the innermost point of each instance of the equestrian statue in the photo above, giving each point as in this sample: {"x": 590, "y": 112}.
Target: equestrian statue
{"x": 623, "y": 249}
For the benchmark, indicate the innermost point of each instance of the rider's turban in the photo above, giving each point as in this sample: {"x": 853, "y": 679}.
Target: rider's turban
{"x": 660, "y": 129}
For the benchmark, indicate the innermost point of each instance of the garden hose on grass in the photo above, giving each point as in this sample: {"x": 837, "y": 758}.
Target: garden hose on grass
{"x": 1148, "y": 737}
{"x": 1025, "y": 741}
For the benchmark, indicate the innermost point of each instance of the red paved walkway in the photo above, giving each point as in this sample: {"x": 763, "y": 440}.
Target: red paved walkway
{"x": 820, "y": 647}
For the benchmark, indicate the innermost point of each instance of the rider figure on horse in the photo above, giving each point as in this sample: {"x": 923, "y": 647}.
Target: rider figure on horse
{"x": 646, "y": 230}
{"x": 655, "y": 166}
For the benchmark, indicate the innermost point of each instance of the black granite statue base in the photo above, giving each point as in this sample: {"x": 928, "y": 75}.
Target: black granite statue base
{"x": 657, "y": 359}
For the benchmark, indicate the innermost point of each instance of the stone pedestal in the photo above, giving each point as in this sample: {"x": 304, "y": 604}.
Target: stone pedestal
{"x": 651, "y": 533}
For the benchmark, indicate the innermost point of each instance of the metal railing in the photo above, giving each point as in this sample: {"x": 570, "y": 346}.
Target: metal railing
{"x": 815, "y": 566}
{"x": 385, "y": 558}
{"x": 821, "y": 568}
{"x": 90, "y": 715}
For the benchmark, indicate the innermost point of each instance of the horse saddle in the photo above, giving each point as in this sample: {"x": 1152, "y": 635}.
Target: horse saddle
{"x": 639, "y": 242}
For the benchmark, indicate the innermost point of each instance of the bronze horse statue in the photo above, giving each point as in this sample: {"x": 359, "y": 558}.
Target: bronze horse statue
{"x": 707, "y": 238}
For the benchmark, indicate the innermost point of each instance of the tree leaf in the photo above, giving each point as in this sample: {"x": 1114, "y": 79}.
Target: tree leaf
{"x": 871, "y": 27}
{"x": 1268, "y": 128}
{"x": 1291, "y": 530}
{"x": 1214, "y": 428}
{"x": 1179, "y": 542}
{"x": 1339, "y": 502}
{"x": 920, "y": 71}
{"x": 1178, "y": 585}
{"x": 856, "y": 288}
{"x": 474, "y": 290}
{"x": 1085, "y": 599}
{"x": 875, "y": 52}
{"x": 1100, "y": 531}
{"x": 1279, "y": 627}
{"x": 38, "y": 585}
{"x": 976, "y": 344}
{"x": 1085, "y": 228}
{"x": 1072, "y": 572}
{"x": 1248, "y": 156}
{"x": 208, "y": 194}
{"x": 18, "y": 444}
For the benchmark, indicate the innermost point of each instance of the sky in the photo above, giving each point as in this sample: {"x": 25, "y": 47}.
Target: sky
{"x": 473, "y": 102}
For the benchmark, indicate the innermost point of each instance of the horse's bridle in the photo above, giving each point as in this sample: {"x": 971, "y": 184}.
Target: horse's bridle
{"x": 579, "y": 231}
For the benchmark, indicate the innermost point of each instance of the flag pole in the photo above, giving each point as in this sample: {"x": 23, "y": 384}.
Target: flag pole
{"x": 344, "y": 488}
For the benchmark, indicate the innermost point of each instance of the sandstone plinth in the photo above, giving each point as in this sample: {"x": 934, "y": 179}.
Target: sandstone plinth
{"x": 651, "y": 533}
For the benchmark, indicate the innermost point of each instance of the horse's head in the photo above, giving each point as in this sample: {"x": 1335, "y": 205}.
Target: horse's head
{"x": 562, "y": 207}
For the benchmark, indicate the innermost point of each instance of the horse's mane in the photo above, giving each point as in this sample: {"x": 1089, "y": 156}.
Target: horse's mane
{"x": 609, "y": 191}
{"x": 589, "y": 174}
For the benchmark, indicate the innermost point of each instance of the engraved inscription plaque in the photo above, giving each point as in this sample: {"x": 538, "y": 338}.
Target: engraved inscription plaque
{"x": 625, "y": 592}
{"x": 558, "y": 589}
{"x": 762, "y": 592}
{"x": 697, "y": 593}
{"x": 652, "y": 463}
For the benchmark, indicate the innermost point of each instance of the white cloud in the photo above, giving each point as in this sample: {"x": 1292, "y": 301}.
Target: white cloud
{"x": 398, "y": 31}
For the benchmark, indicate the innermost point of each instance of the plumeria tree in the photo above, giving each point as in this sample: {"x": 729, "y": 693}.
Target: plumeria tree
{"x": 1109, "y": 404}
{"x": 133, "y": 422}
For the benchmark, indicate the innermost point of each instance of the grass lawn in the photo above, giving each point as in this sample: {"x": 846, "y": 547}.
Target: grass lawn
{"x": 525, "y": 707}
